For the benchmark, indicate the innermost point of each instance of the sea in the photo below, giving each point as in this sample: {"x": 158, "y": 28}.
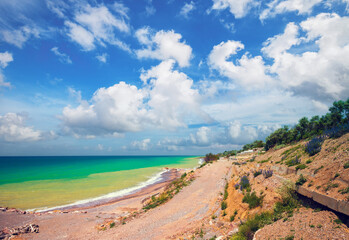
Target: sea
{"x": 44, "y": 183}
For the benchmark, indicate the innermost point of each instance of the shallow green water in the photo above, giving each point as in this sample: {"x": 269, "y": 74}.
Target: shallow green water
{"x": 43, "y": 182}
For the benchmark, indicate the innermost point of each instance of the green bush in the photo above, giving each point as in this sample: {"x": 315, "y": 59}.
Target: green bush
{"x": 252, "y": 200}
{"x": 248, "y": 229}
{"x": 301, "y": 166}
{"x": 346, "y": 165}
{"x": 224, "y": 205}
{"x": 301, "y": 180}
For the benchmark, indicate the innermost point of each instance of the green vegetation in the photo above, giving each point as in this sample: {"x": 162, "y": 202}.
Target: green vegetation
{"x": 257, "y": 173}
{"x": 174, "y": 187}
{"x": 333, "y": 124}
{"x": 211, "y": 157}
{"x": 244, "y": 183}
{"x": 224, "y": 205}
{"x": 225, "y": 192}
{"x": 344, "y": 190}
{"x": 232, "y": 217}
{"x": 318, "y": 169}
{"x": 331, "y": 185}
{"x": 314, "y": 146}
{"x": 301, "y": 180}
{"x": 301, "y": 166}
{"x": 293, "y": 162}
{"x": 288, "y": 203}
{"x": 346, "y": 165}
{"x": 252, "y": 200}
{"x": 111, "y": 225}
{"x": 291, "y": 237}
{"x": 247, "y": 229}
{"x": 338, "y": 221}
{"x": 255, "y": 144}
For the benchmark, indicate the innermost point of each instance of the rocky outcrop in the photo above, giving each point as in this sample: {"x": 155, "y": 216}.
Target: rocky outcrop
{"x": 337, "y": 205}
{"x": 8, "y": 233}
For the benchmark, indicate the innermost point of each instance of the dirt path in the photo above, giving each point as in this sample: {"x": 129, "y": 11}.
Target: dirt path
{"x": 179, "y": 215}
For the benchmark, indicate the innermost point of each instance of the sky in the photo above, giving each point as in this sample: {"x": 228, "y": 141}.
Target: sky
{"x": 164, "y": 77}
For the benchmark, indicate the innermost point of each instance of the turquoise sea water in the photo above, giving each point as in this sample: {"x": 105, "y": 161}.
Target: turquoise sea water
{"x": 44, "y": 182}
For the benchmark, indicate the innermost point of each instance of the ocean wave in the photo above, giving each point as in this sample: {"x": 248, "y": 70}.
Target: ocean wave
{"x": 158, "y": 177}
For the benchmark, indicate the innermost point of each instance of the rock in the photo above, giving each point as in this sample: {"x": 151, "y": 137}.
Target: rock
{"x": 29, "y": 228}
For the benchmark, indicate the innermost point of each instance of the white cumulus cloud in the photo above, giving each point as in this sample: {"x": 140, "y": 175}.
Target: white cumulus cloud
{"x": 98, "y": 25}
{"x": 163, "y": 45}
{"x": 276, "y": 7}
{"x": 13, "y": 129}
{"x": 250, "y": 72}
{"x": 168, "y": 100}
{"x": 239, "y": 8}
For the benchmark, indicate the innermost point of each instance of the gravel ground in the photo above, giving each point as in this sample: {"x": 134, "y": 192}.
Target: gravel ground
{"x": 306, "y": 224}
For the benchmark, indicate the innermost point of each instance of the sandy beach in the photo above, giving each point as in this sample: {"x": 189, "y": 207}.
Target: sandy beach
{"x": 166, "y": 221}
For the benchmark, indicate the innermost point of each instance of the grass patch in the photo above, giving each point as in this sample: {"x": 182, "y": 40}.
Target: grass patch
{"x": 331, "y": 185}
{"x": 344, "y": 190}
{"x": 252, "y": 200}
{"x": 294, "y": 161}
{"x": 318, "y": 169}
{"x": 174, "y": 188}
{"x": 301, "y": 166}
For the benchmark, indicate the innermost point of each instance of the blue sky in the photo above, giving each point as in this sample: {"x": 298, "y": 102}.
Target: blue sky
{"x": 164, "y": 76}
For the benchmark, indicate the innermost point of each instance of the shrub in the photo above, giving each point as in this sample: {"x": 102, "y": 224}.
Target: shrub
{"x": 247, "y": 229}
{"x": 289, "y": 200}
{"x": 211, "y": 157}
{"x": 293, "y": 162}
{"x": 346, "y": 165}
{"x": 267, "y": 173}
{"x": 257, "y": 173}
{"x": 344, "y": 190}
{"x": 314, "y": 146}
{"x": 301, "y": 166}
{"x": 318, "y": 169}
{"x": 225, "y": 192}
{"x": 244, "y": 183}
{"x": 301, "y": 180}
{"x": 308, "y": 161}
{"x": 252, "y": 200}
{"x": 111, "y": 225}
{"x": 224, "y": 205}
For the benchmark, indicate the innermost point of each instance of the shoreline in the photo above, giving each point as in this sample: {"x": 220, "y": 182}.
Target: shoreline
{"x": 166, "y": 176}
{"x": 157, "y": 181}
{"x": 153, "y": 184}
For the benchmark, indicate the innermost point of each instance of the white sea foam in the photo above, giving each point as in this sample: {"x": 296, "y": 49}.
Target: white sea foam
{"x": 120, "y": 193}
